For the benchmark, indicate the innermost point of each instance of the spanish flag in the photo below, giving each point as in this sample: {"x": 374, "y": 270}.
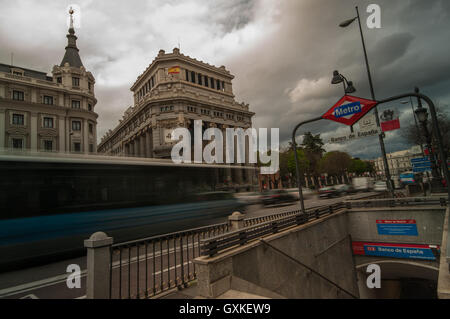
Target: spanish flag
{"x": 174, "y": 70}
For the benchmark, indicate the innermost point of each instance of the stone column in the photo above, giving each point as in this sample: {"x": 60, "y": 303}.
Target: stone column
{"x": 149, "y": 143}
{"x": 33, "y": 131}
{"x": 62, "y": 134}
{"x": 136, "y": 146}
{"x": 131, "y": 148}
{"x": 142, "y": 145}
{"x": 236, "y": 221}
{"x": 2, "y": 129}
{"x": 98, "y": 267}
{"x": 86, "y": 136}
{"x": 227, "y": 169}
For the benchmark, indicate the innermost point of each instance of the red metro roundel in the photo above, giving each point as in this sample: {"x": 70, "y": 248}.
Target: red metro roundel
{"x": 349, "y": 109}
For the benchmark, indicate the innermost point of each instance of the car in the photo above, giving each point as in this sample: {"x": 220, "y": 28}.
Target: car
{"x": 326, "y": 192}
{"x": 307, "y": 193}
{"x": 277, "y": 196}
{"x": 380, "y": 186}
{"x": 343, "y": 189}
{"x": 249, "y": 198}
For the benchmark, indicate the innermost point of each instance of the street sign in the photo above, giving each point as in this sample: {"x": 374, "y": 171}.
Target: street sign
{"x": 419, "y": 160}
{"x": 349, "y": 109}
{"x": 394, "y": 250}
{"x": 421, "y": 169}
{"x": 421, "y": 164}
{"x": 368, "y": 123}
{"x": 389, "y": 120}
{"x": 353, "y": 136}
{"x": 397, "y": 227}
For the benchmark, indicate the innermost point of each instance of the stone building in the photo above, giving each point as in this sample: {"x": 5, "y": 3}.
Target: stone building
{"x": 172, "y": 92}
{"x": 398, "y": 162}
{"x": 49, "y": 113}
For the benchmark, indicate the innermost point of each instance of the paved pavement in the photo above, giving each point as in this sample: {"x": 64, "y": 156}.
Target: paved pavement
{"x": 49, "y": 281}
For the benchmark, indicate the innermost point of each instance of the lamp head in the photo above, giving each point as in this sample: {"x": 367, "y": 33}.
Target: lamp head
{"x": 350, "y": 88}
{"x": 337, "y": 78}
{"x": 422, "y": 114}
{"x": 346, "y": 23}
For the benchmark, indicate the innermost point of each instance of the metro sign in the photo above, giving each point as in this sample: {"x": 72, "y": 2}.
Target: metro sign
{"x": 349, "y": 110}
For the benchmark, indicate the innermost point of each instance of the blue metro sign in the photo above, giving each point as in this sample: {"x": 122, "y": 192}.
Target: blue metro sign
{"x": 347, "y": 109}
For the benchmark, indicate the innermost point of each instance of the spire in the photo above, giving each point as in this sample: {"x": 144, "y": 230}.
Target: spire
{"x": 71, "y": 56}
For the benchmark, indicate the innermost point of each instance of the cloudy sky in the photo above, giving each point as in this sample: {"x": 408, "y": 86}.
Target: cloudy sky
{"x": 282, "y": 53}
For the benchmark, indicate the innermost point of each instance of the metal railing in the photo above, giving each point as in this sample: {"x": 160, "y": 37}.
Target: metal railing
{"x": 213, "y": 245}
{"x": 396, "y": 202}
{"x": 150, "y": 266}
{"x": 146, "y": 267}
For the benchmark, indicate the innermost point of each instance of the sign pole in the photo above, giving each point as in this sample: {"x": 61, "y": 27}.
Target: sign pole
{"x": 380, "y": 136}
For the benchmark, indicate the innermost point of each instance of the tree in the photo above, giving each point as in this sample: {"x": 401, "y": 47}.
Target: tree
{"x": 335, "y": 163}
{"x": 313, "y": 147}
{"x": 360, "y": 167}
{"x": 416, "y": 137}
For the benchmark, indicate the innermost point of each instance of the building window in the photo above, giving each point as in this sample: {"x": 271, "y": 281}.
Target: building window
{"x": 91, "y": 128}
{"x": 48, "y": 100}
{"x": 212, "y": 83}
{"x": 153, "y": 81}
{"x": 192, "y": 76}
{"x": 48, "y": 145}
{"x": 48, "y": 122}
{"x": 59, "y": 79}
{"x": 199, "y": 79}
{"x": 18, "y": 95}
{"x": 89, "y": 107}
{"x": 206, "y": 81}
{"x": 91, "y": 148}
{"x": 187, "y": 75}
{"x": 76, "y": 104}
{"x": 76, "y": 126}
{"x": 75, "y": 81}
{"x": 77, "y": 147}
{"x": 17, "y": 143}
{"x": 223, "y": 86}
{"x": 18, "y": 119}
{"x": 218, "y": 84}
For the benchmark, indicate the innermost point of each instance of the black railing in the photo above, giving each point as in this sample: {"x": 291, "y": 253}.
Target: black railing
{"x": 147, "y": 267}
{"x": 213, "y": 245}
{"x": 392, "y": 202}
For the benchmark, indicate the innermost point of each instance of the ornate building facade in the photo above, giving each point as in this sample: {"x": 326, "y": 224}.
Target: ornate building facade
{"x": 49, "y": 113}
{"x": 174, "y": 91}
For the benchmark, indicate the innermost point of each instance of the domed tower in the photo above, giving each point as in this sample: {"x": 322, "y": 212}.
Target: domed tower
{"x": 79, "y": 83}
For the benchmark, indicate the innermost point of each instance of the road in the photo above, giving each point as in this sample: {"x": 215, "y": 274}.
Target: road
{"x": 49, "y": 281}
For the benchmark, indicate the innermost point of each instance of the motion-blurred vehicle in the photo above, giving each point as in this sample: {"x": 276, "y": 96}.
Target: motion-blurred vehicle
{"x": 362, "y": 184}
{"x": 380, "y": 186}
{"x": 50, "y": 203}
{"x": 249, "y": 198}
{"x": 343, "y": 189}
{"x": 327, "y": 192}
{"x": 307, "y": 193}
{"x": 277, "y": 196}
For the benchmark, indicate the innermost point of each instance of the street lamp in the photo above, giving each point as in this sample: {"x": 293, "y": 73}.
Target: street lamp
{"x": 338, "y": 78}
{"x": 422, "y": 116}
{"x": 345, "y": 24}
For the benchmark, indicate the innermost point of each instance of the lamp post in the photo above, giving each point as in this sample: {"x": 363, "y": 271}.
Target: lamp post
{"x": 380, "y": 136}
{"x": 349, "y": 89}
{"x": 422, "y": 116}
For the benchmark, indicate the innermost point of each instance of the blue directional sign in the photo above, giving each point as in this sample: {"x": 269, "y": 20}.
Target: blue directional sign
{"x": 421, "y": 164}
{"x": 419, "y": 160}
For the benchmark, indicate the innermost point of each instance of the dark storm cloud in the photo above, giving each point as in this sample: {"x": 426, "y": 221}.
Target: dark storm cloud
{"x": 282, "y": 53}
